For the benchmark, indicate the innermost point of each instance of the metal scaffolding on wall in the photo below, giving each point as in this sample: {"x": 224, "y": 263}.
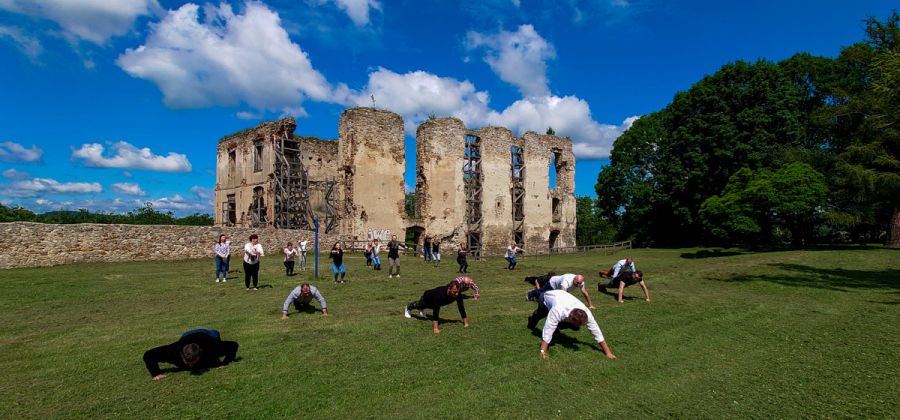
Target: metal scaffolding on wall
{"x": 291, "y": 181}
{"x": 517, "y": 191}
{"x": 472, "y": 177}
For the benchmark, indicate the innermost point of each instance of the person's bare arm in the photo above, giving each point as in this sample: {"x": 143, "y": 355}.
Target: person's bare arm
{"x": 588, "y": 297}
{"x": 609, "y": 354}
{"x": 544, "y": 346}
{"x": 621, "y": 291}
{"x": 434, "y": 326}
{"x": 646, "y": 292}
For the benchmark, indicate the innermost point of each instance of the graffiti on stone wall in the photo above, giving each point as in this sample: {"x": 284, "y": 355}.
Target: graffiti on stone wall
{"x": 380, "y": 234}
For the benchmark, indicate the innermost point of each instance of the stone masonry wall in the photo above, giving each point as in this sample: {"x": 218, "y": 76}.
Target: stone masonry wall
{"x": 440, "y": 191}
{"x": 24, "y": 244}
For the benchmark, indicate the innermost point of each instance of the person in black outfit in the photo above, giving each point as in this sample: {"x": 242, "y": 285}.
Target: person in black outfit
{"x": 539, "y": 281}
{"x": 435, "y": 298}
{"x": 394, "y": 256}
{"x": 426, "y": 248}
{"x": 461, "y": 258}
{"x": 337, "y": 258}
{"x": 197, "y": 349}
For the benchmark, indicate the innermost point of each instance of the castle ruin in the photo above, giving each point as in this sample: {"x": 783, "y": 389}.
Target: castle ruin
{"x": 484, "y": 187}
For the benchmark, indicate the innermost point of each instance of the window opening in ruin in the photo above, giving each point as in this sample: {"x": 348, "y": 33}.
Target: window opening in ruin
{"x": 517, "y": 191}
{"x": 555, "y": 209}
{"x": 554, "y": 236}
{"x": 232, "y": 165}
{"x": 414, "y": 237}
{"x": 229, "y": 208}
{"x": 257, "y": 156}
{"x": 472, "y": 178}
{"x": 258, "y": 214}
{"x": 554, "y": 168}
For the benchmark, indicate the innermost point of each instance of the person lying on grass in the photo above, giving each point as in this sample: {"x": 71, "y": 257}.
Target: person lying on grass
{"x": 562, "y": 282}
{"x": 623, "y": 280}
{"x": 564, "y": 311}
{"x": 301, "y": 296}
{"x": 435, "y": 298}
{"x": 195, "y": 350}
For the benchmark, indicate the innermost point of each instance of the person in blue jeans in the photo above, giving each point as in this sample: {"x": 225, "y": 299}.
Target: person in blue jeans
{"x": 337, "y": 265}
{"x": 223, "y": 251}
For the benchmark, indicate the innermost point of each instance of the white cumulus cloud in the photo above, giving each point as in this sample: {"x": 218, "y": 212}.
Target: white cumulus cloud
{"x": 127, "y": 188}
{"x": 15, "y": 152}
{"x": 202, "y": 193}
{"x": 91, "y": 20}
{"x": 41, "y": 186}
{"x": 225, "y": 60}
{"x": 126, "y": 156}
{"x": 357, "y": 10}
{"x": 15, "y": 174}
{"x": 519, "y": 58}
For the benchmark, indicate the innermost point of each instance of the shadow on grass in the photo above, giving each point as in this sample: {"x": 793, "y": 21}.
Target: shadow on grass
{"x": 614, "y": 294}
{"x": 198, "y": 371}
{"x": 561, "y": 339}
{"x": 415, "y": 315}
{"x": 710, "y": 253}
{"x": 839, "y": 279}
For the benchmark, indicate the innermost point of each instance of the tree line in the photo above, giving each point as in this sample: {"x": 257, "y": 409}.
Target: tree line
{"x": 805, "y": 150}
{"x": 144, "y": 215}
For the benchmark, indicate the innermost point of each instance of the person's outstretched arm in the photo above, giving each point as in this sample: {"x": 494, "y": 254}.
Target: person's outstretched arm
{"x": 621, "y": 291}
{"x": 152, "y": 358}
{"x": 287, "y": 302}
{"x": 229, "y": 350}
{"x": 322, "y": 302}
{"x": 646, "y": 292}
{"x": 588, "y": 297}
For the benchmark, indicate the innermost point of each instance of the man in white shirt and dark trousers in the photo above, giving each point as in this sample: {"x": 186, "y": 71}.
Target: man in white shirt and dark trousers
{"x": 564, "y": 311}
{"x": 562, "y": 282}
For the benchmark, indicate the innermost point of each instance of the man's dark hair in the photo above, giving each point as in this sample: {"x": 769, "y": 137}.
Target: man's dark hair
{"x": 640, "y": 275}
{"x": 254, "y": 236}
{"x": 577, "y": 317}
{"x": 190, "y": 353}
{"x": 453, "y": 285}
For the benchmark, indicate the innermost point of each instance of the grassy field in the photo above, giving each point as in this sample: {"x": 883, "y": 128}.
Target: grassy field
{"x": 729, "y": 334}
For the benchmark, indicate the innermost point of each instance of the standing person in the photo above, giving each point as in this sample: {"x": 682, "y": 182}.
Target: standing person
{"x": 510, "y": 255}
{"x": 367, "y": 251}
{"x": 466, "y": 283}
{"x": 435, "y": 298}
{"x": 623, "y": 280}
{"x": 301, "y": 247}
{"x": 252, "y": 251}
{"x": 376, "y": 260}
{"x": 195, "y": 350}
{"x": 461, "y": 258}
{"x": 301, "y": 296}
{"x": 223, "y": 252}
{"x": 337, "y": 264}
{"x": 426, "y": 248}
{"x": 564, "y": 311}
{"x": 436, "y": 252}
{"x": 289, "y": 253}
{"x": 616, "y": 269}
{"x": 228, "y": 259}
{"x": 563, "y": 282}
{"x": 394, "y": 256}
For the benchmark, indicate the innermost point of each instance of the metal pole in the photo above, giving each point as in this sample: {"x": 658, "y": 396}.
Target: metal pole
{"x": 316, "y": 274}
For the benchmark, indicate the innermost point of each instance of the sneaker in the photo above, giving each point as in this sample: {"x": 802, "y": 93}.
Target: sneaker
{"x": 248, "y": 289}
{"x": 255, "y": 288}
{"x": 217, "y": 280}
{"x": 224, "y": 281}
{"x": 398, "y": 276}
{"x": 390, "y": 276}
{"x": 406, "y": 312}
{"x": 422, "y": 314}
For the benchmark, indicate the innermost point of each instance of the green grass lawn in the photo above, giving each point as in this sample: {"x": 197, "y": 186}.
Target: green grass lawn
{"x": 777, "y": 334}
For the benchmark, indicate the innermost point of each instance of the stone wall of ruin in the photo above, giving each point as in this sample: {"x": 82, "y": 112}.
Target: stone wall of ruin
{"x": 24, "y": 244}
{"x": 440, "y": 191}
{"x": 371, "y": 151}
{"x": 538, "y": 195}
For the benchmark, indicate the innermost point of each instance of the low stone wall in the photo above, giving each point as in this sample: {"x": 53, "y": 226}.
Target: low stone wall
{"x": 24, "y": 244}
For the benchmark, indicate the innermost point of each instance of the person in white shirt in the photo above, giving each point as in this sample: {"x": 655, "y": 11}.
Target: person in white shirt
{"x": 616, "y": 269}
{"x": 301, "y": 248}
{"x": 252, "y": 251}
{"x": 223, "y": 251}
{"x": 510, "y": 255}
{"x": 289, "y": 253}
{"x": 562, "y": 282}
{"x": 564, "y": 311}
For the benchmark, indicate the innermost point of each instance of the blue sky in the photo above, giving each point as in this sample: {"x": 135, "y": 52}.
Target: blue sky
{"x": 108, "y": 104}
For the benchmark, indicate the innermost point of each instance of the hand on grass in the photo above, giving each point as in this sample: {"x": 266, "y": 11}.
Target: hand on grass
{"x": 544, "y": 355}
{"x": 591, "y": 307}
{"x": 159, "y": 377}
{"x": 437, "y": 330}
{"x": 621, "y": 301}
{"x": 648, "y": 300}
{"x": 610, "y": 356}
{"x": 284, "y": 316}
{"x": 466, "y": 323}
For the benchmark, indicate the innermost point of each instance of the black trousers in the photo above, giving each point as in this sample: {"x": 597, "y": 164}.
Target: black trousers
{"x": 289, "y": 267}
{"x": 463, "y": 264}
{"x": 251, "y": 271}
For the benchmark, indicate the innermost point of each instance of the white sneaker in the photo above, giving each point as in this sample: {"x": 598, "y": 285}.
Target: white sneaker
{"x": 224, "y": 281}
{"x": 217, "y": 280}
{"x": 422, "y": 314}
{"x": 398, "y": 276}
{"x": 406, "y": 312}
{"x": 390, "y": 276}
